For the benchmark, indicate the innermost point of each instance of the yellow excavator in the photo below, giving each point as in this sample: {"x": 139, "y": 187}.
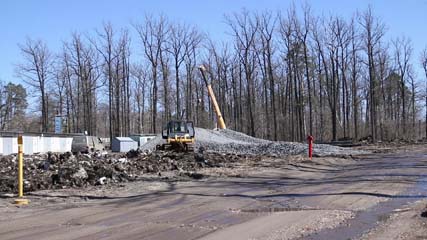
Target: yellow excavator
{"x": 179, "y": 134}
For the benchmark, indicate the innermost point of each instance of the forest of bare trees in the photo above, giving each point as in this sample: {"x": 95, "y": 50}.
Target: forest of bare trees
{"x": 279, "y": 75}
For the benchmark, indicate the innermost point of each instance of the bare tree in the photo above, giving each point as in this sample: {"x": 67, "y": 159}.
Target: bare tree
{"x": 303, "y": 34}
{"x": 423, "y": 60}
{"x": 152, "y": 35}
{"x": 192, "y": 48}
{"x": 106, "y": 49}
{"x": 268, "y": 24}
{"x": 178, "y": 35}
{"x": 80, "y": 75}
{"x": 354, "y": 72}
{"x": 141, "y": 84}
{"x": 244, "y": 29}
{"x": 36, "y": 72}
{"x": 374, "y": 30}
{"x": 403, "y": 52}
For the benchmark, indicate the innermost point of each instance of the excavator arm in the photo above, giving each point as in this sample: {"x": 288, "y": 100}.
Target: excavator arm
{"x": 217, "y": 110}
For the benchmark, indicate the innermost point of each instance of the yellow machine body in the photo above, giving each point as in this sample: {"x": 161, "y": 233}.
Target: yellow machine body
{"x": 178, "y": 135}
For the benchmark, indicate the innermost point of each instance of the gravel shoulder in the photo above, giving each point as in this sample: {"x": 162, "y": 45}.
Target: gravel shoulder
{"x": 408, "y": 222}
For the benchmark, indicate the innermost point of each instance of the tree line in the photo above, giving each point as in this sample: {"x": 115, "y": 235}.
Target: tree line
{"x": 13, "y": 105}
{"x": 280, "y": 76}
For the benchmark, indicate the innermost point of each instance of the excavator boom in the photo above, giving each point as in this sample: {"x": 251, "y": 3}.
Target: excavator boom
{"x": 217, "y": 110}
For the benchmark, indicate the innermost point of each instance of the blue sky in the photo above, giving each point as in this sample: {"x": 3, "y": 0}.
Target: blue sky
{"x": 54, "y": 20}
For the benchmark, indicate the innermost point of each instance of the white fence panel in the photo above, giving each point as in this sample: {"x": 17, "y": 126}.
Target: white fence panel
{"x": 65, "y": 144}
{"x": 10, "y": 145}
{"x": 35, "y": 144}
{"x": 1, "y": 145}
{"x": 31, "y": 144}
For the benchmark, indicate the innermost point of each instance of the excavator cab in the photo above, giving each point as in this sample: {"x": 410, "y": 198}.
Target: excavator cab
{"x": 179, "y": 135}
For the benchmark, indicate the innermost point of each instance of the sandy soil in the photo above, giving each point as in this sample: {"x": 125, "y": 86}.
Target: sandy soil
{"x": 289, "y": 198}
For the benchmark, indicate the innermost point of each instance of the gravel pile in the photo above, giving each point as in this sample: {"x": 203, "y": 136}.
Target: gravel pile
{"x": 229, "y": 141}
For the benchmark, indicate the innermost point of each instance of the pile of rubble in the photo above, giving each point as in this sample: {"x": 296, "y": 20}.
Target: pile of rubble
{"x": 214, "y": 148}
{"x": 232, "y": 142}
{"x": 53, "y": 171}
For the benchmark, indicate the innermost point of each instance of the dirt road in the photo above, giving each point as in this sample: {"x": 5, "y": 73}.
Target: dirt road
{"x": 328, "y": 198}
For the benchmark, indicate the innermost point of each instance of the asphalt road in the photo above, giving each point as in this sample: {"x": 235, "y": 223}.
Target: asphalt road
{"x": 320, "y": 199}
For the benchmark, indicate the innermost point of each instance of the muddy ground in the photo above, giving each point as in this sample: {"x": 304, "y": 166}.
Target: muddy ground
{"x": 377, "y": 196}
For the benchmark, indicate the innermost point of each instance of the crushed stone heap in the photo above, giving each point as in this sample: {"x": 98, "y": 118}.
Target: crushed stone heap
{"x": 229, "y": 141}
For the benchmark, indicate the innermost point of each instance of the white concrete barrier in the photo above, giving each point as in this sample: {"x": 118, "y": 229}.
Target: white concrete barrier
{"x": 10, "y": 145}
{"x": 31, "y": 144}
{"x": 35, "y": 144}
{"x": 65, "y": 144}
{"x": 1, "y": 145}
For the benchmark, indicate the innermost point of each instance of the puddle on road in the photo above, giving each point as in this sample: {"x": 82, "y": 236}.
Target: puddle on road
{"x": 275, "y": 209}
{"x": 368, "y": 219}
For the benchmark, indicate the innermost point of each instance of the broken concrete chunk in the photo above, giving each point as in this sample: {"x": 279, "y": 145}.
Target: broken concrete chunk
{"x": 80, "y": 174}
{"x": 102, "y": 181}
{"x": 119, "y": 167}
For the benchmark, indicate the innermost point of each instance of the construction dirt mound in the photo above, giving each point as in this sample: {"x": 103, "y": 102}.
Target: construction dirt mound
{"x": 214, "y": 148}
{"x": 55, "y": 171}
{"x": 232, "y": 142}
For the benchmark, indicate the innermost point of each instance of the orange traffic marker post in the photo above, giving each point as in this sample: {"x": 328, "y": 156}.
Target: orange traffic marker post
{"x": 21, "y": 200}
{"x": 310, "y": 146}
